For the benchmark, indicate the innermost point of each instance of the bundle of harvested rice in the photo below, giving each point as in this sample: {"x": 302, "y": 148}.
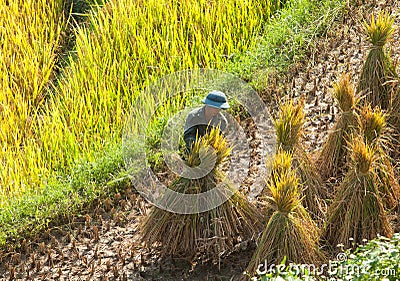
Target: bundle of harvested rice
{"x": 290, "y": 232}
{"x": 378, "y": 71}
{"x": 394, "y": 121}
{"x": 358, "y": 211}
{"x": 279, "y": 165}
{"x": 332, "y": 159}
{"x": 289, "y": 130}
{"x": 208, "y": 234}
{"x": 373, "y": 128}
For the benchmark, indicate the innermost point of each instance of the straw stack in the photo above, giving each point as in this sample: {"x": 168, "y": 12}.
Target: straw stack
{"x": 211, "y": 233}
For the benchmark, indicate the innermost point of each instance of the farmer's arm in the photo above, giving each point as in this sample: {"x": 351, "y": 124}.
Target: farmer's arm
{"x": 223, "y": 123}
{"x": 220, "y": 122}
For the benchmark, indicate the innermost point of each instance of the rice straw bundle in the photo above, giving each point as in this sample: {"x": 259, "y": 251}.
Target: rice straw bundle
{"x": 207, "y": 234}
{"x": 289, "y": 130}
{"x": 281, "y": 164}
{"x": 378, "y": 70}
{"x": 395, "y": 112}
{"x": 394, "y": 121}
{"x": 358, "y": 210}
{"x": 332, "y": 158}
{"x": 290, "y": 231}
{"x": 373, "y": 128}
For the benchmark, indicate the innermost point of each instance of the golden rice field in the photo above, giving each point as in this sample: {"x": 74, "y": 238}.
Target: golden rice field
{"x": 50, "y": 122}
{"x": 30, "y": 37}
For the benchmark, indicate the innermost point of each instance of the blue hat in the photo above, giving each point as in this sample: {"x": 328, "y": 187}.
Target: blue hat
{"x": 216, "y": 99}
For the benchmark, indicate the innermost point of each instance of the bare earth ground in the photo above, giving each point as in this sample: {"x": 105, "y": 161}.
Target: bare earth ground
{"x": 104, "y": 244}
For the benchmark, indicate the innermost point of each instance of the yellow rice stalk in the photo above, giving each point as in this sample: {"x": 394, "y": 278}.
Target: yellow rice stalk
{"x": 378, "y": 70}
{"x": 281, "y": 164}
{"x": 289, "y": 125}
{"x": 289, "y": 130}
{"x": 373, "y": 127}
{"x": 290, "y": 231}
{"x": 358, "y": 210}
{"x": 208, "y": 234}
{"x": 215, "y": 140}
{"x": 333, "y": 155}
{"x": 394, "y": 121}
{"x": 125, "y": 45}
{"x": 30, "y": 33}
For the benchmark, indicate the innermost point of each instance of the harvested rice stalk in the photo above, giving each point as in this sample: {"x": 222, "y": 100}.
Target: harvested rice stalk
{"x": 358, "y": 210}
{"x": 289, "y": 125}
{"x": 332, "y": 158}
{"x": 289, "y": 130}
{"x": 373, "y": 127}
{"x": 394, "y": 121}
{"x": 280, "y": 165}
{"x": 207, "y": 234}
{"x": 378, "y": 71}
{"x": 290, "y": 231}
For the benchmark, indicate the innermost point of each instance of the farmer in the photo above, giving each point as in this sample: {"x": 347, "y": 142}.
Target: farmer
{"x": 200, "y": 120}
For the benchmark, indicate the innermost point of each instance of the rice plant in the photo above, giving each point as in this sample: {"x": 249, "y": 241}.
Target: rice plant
{"x": 289, "y": 130}
{"x": 30, "y": 37}
{"x": 378, "y": 70}
{"x": 358, "y": 210}
{"x": 290, "y": 232}
{"x": 124, "y": 46}
{"x": 207, "y": 234}
{"x": 332, "y": 157}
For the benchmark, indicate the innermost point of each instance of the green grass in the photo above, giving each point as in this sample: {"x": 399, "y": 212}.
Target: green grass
{"x": 286, "y": 39}
{"x": 72, "y": 127}
{"x": 64, "y": 197}
{"x": 379, "y": 259}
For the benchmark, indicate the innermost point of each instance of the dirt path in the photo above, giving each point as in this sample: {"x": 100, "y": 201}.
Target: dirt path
{"x": 104, "y": 244}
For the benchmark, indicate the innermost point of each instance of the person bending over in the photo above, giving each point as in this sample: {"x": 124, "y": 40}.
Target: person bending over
{"x": 201, "y": 120}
